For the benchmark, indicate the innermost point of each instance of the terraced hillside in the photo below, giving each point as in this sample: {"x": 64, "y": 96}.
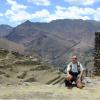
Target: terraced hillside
{"x": 16, "y": 68}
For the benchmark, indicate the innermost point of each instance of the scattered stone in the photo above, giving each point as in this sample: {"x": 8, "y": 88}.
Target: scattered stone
{"x": 31, "y": 79}
{"x": 7, "y": 75}
{"x": 1, "y": 72}
{"x": 22, "y": 75}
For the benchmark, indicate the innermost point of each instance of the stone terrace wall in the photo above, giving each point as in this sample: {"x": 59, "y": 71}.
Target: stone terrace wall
{"x": 97, "y": 54}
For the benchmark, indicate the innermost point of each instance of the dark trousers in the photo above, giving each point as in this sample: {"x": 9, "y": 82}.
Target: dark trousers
{"x": 74, "y": 79}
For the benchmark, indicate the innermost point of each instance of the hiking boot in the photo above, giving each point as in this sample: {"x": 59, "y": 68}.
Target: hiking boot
{"x": 69, "y": 86}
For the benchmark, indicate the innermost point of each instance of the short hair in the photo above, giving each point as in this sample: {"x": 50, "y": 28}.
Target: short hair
{"x": 74, "y": 57}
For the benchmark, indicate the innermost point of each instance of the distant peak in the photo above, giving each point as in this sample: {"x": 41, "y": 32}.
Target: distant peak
{"x": 28, "y": 21}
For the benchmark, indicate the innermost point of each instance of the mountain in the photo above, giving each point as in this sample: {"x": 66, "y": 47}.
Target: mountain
{"x": 10, "y": 45}
{"x": 57, "y": 40}
{"x": 4, "y": 30}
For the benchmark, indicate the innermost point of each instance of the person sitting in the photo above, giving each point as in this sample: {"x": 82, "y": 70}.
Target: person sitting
{"x": 74, "y": 72}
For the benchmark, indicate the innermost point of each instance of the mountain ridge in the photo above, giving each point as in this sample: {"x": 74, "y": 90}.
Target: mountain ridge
{"x": 5, "y": 30}
{"x": 58, "y": 37}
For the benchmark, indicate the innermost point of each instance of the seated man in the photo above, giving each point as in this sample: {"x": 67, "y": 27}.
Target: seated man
{"x": 74, "y": 73}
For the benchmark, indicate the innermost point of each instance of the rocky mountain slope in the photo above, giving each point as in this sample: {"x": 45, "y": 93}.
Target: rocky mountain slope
{"x": 54, "y": 42}
{"x": 4, "y": 30}
{"x": 10, "y": 45}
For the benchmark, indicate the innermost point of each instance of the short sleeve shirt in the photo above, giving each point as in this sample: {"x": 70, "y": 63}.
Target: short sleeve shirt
{"x": 74, "y": 67}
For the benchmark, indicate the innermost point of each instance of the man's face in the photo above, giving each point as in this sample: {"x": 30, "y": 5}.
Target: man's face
{"x": 74, "y": 60}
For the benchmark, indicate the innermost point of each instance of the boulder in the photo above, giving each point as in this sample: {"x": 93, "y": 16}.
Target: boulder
{"x": 22, "y": 75}
{"x": 31, "y": 79}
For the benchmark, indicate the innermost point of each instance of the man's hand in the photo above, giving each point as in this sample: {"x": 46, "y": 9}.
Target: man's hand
{"x": 68, "y": 77}
{"x": 79, "y": 84}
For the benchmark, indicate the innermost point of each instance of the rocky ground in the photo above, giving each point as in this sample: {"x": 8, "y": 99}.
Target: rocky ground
{"x": 27, "y": 78}
{"x": 16, "y": 68}
{"x": 37, "y": 91}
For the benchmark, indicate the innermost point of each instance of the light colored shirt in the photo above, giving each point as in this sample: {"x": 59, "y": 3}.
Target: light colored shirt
{"x": 74, "y": 67}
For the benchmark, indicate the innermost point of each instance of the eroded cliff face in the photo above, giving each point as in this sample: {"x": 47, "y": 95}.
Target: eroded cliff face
{"x": 97, "y": 54}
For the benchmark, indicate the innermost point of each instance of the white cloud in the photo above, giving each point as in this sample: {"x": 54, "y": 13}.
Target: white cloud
{"x": 71, "y": 13}
{"x": 40, "y": 2}
{"x": 41, "y": 14}
{"x": 15, "y": 5}
{"x": 81, "y": 11}
{"x": 18, "y": 16}
{"x": 97, "y": 15}
{"x": 17, "y": 12}
{"x": 1, "y": 14}
{"x": 60, "y": 8}
{"x": 82, "y": 2}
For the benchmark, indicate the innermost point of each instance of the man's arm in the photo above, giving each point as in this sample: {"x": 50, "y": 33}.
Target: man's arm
{"x": 68, "y": 70}
{"x": 81, "y": 74}
{"x": 81, "y": 71}
{"x": 68, "y": 75}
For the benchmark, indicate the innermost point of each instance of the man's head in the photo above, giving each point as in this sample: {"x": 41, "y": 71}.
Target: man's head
{"x": 74, "y": 59}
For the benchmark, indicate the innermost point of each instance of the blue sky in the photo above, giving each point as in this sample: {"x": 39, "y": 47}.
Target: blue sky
{"x": 14, "y": 12}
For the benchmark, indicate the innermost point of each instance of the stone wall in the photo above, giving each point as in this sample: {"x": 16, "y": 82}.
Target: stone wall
{"x": 97, "y": 54}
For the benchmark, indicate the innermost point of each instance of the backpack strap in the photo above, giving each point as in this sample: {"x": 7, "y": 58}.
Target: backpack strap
{"x": 78, "y": 67}
{"x": 71, "y": 66}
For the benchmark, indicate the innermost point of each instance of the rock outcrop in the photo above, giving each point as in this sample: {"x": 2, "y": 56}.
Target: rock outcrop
{"x": 97, "y": 54}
